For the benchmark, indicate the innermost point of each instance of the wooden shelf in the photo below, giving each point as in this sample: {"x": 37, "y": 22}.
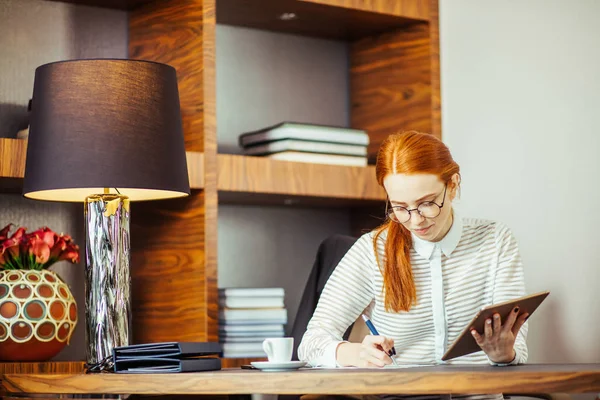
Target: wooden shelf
{"x": 260, "y": 180}
{"x": 332, "y": 19}
{"x": 13, "y": 153}
{"x": 51, "y": 367}
{"x": 335, "y": 19}
{"x": 247, "y": 180}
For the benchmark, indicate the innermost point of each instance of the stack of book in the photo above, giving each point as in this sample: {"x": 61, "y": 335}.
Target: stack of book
{"x": 248, "y": 316}
{"x": 321, "y": 144}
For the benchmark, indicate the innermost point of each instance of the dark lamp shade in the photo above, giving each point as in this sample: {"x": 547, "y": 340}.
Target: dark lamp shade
{"x": 105, "y": 123}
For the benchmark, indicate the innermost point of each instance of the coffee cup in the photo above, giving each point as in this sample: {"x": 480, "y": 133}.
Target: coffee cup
{"x": 279, "y": 349}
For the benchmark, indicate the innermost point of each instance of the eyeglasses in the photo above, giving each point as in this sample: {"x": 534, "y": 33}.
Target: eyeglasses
{"x": 427, "y": 209}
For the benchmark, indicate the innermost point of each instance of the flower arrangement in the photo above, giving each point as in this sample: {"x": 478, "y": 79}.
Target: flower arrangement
{"x": 36, "y": 250}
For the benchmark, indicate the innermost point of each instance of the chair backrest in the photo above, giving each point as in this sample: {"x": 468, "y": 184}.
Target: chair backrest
{"x": 330, "y": 253}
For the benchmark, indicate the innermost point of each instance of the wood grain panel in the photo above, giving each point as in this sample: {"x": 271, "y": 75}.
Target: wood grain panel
{"x": 168, "y": 278}
{"x": 262, "y": 175}
{"x": 13, "y": 153}
{"x": 524, "y": 379}
{"x": 390, "y": 83}
{"x": 434, "y": 53}
{"x": 174, "y": 242}
{"x": 195, "y": 164}
{"x": 118, "y": 4}
{"x": 53, "y": 367}
{"x": 316, "y": 18}
{"x": 414, "y": 9}
{"x": 210, "y": 169}
{"x": 238, "y": 362}
{"x": 170, "y": 32}
{"x": 12, "y": 158}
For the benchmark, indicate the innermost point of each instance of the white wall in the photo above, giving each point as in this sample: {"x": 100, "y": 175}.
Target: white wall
{"x": 520, "y": 111}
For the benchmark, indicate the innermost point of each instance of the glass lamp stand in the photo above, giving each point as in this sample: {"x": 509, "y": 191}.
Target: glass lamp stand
{"x": 107, "y": 283}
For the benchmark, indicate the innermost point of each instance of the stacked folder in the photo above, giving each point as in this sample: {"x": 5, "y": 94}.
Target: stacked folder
{"x": 247, "y": 317}
{"x": 167, "y": 357}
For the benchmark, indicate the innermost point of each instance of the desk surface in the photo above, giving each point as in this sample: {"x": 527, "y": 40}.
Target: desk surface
{"x": 568, "y": 378}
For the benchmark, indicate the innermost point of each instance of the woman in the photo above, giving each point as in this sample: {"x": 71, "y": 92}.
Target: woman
{"x": 422, "y": 275}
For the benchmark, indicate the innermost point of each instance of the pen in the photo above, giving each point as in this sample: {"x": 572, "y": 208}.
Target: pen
{"x": 374, "y": 332}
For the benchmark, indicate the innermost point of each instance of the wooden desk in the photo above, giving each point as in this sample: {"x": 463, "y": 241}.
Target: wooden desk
{"x": 570, "y": 378}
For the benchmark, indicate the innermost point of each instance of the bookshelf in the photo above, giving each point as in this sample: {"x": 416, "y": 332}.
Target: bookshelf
{"x": 394, "y": 84}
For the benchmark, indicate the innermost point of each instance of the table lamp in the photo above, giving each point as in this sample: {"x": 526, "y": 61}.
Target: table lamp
{"x": 106, "y": 132}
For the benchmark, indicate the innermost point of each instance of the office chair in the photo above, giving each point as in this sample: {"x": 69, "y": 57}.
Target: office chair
{"x": 330, "y": 253}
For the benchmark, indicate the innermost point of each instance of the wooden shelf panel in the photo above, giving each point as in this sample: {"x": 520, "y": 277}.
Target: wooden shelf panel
{"x": 14, "y": 151}
{"x": 332, "y": 19}
{"x": 236, "y": 10}
{"x": 12, "y": 158}
{"x": 242, "y": 177}
{"x": 414, "y": 9}
{"x": 247, "y": 180}
{"x": 52, "y": 367}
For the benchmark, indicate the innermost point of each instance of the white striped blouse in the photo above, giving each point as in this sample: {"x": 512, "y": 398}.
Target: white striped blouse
{"x": 476, "y": 264}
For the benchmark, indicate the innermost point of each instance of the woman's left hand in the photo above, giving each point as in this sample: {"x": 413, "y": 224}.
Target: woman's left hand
{"x": 498, "y": 340}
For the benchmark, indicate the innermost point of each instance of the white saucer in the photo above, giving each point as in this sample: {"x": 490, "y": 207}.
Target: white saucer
{"x": 278, "y": 366}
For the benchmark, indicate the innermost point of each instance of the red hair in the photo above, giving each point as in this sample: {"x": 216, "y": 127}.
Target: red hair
{"x": 408, "y": 152}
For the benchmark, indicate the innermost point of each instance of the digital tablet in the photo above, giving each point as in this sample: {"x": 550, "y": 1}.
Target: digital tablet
{"x": 465, "y": 342}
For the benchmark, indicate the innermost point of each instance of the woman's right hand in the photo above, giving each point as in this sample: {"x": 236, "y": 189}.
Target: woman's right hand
{"x": 371, "y": 353}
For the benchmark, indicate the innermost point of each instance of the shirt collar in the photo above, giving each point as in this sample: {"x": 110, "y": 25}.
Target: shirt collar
{"x": 448, "y": 244}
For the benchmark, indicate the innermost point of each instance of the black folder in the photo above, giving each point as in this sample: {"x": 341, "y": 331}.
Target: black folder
{"x": 167, "y": 357}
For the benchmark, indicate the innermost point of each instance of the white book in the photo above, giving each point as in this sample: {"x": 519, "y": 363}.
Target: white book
{"x": 244, "y": 354}
{"x": 251, "y": 292}
{"x": 257, "y": 339}
{"x": 241, "y": 316}
{"x": 243, "y": 346}
{"x": 315, "y": 158}
{"x": 303, "y": 131}
{"x": 251, "y": 328}
{"x": 305, "y": 146}
{"x": 251, "y": 302}
{"x": 253, "y": 334}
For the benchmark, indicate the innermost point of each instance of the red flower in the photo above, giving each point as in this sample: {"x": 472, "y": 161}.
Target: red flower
{"x": 39, "y": 249}
{"x": 70, "y": 254}
{"x": 36, "y": 250}
{"x": 47, "y": 235}
{"x": 4, "y": 232}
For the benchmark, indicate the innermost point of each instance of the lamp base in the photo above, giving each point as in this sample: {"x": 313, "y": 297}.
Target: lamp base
{"x": 108, "y": 282}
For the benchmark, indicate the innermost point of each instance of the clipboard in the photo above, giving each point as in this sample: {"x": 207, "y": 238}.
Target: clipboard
{"x": 465, "y": 342}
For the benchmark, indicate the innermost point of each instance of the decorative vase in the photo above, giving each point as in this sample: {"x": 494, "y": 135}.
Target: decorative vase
{"x": 38, "y": 315}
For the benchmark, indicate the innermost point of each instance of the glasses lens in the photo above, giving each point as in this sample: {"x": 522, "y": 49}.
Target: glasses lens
{"x": 429, "y": 210}
{"x": 399, "y": 214}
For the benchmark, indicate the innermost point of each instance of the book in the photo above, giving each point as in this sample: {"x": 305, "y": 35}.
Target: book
{"x": 251, "y": 328}
{"x": 243, "y": 347}
{"x": 305, "y": 131}
{"x": 251, "y": 302}
{"x": 306, "y": 147}
{"x": 320, "y": 158}
{"x": 248, "y": 339}
{"x": 253, "y": 316}
{"x": 255, "y": 292}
